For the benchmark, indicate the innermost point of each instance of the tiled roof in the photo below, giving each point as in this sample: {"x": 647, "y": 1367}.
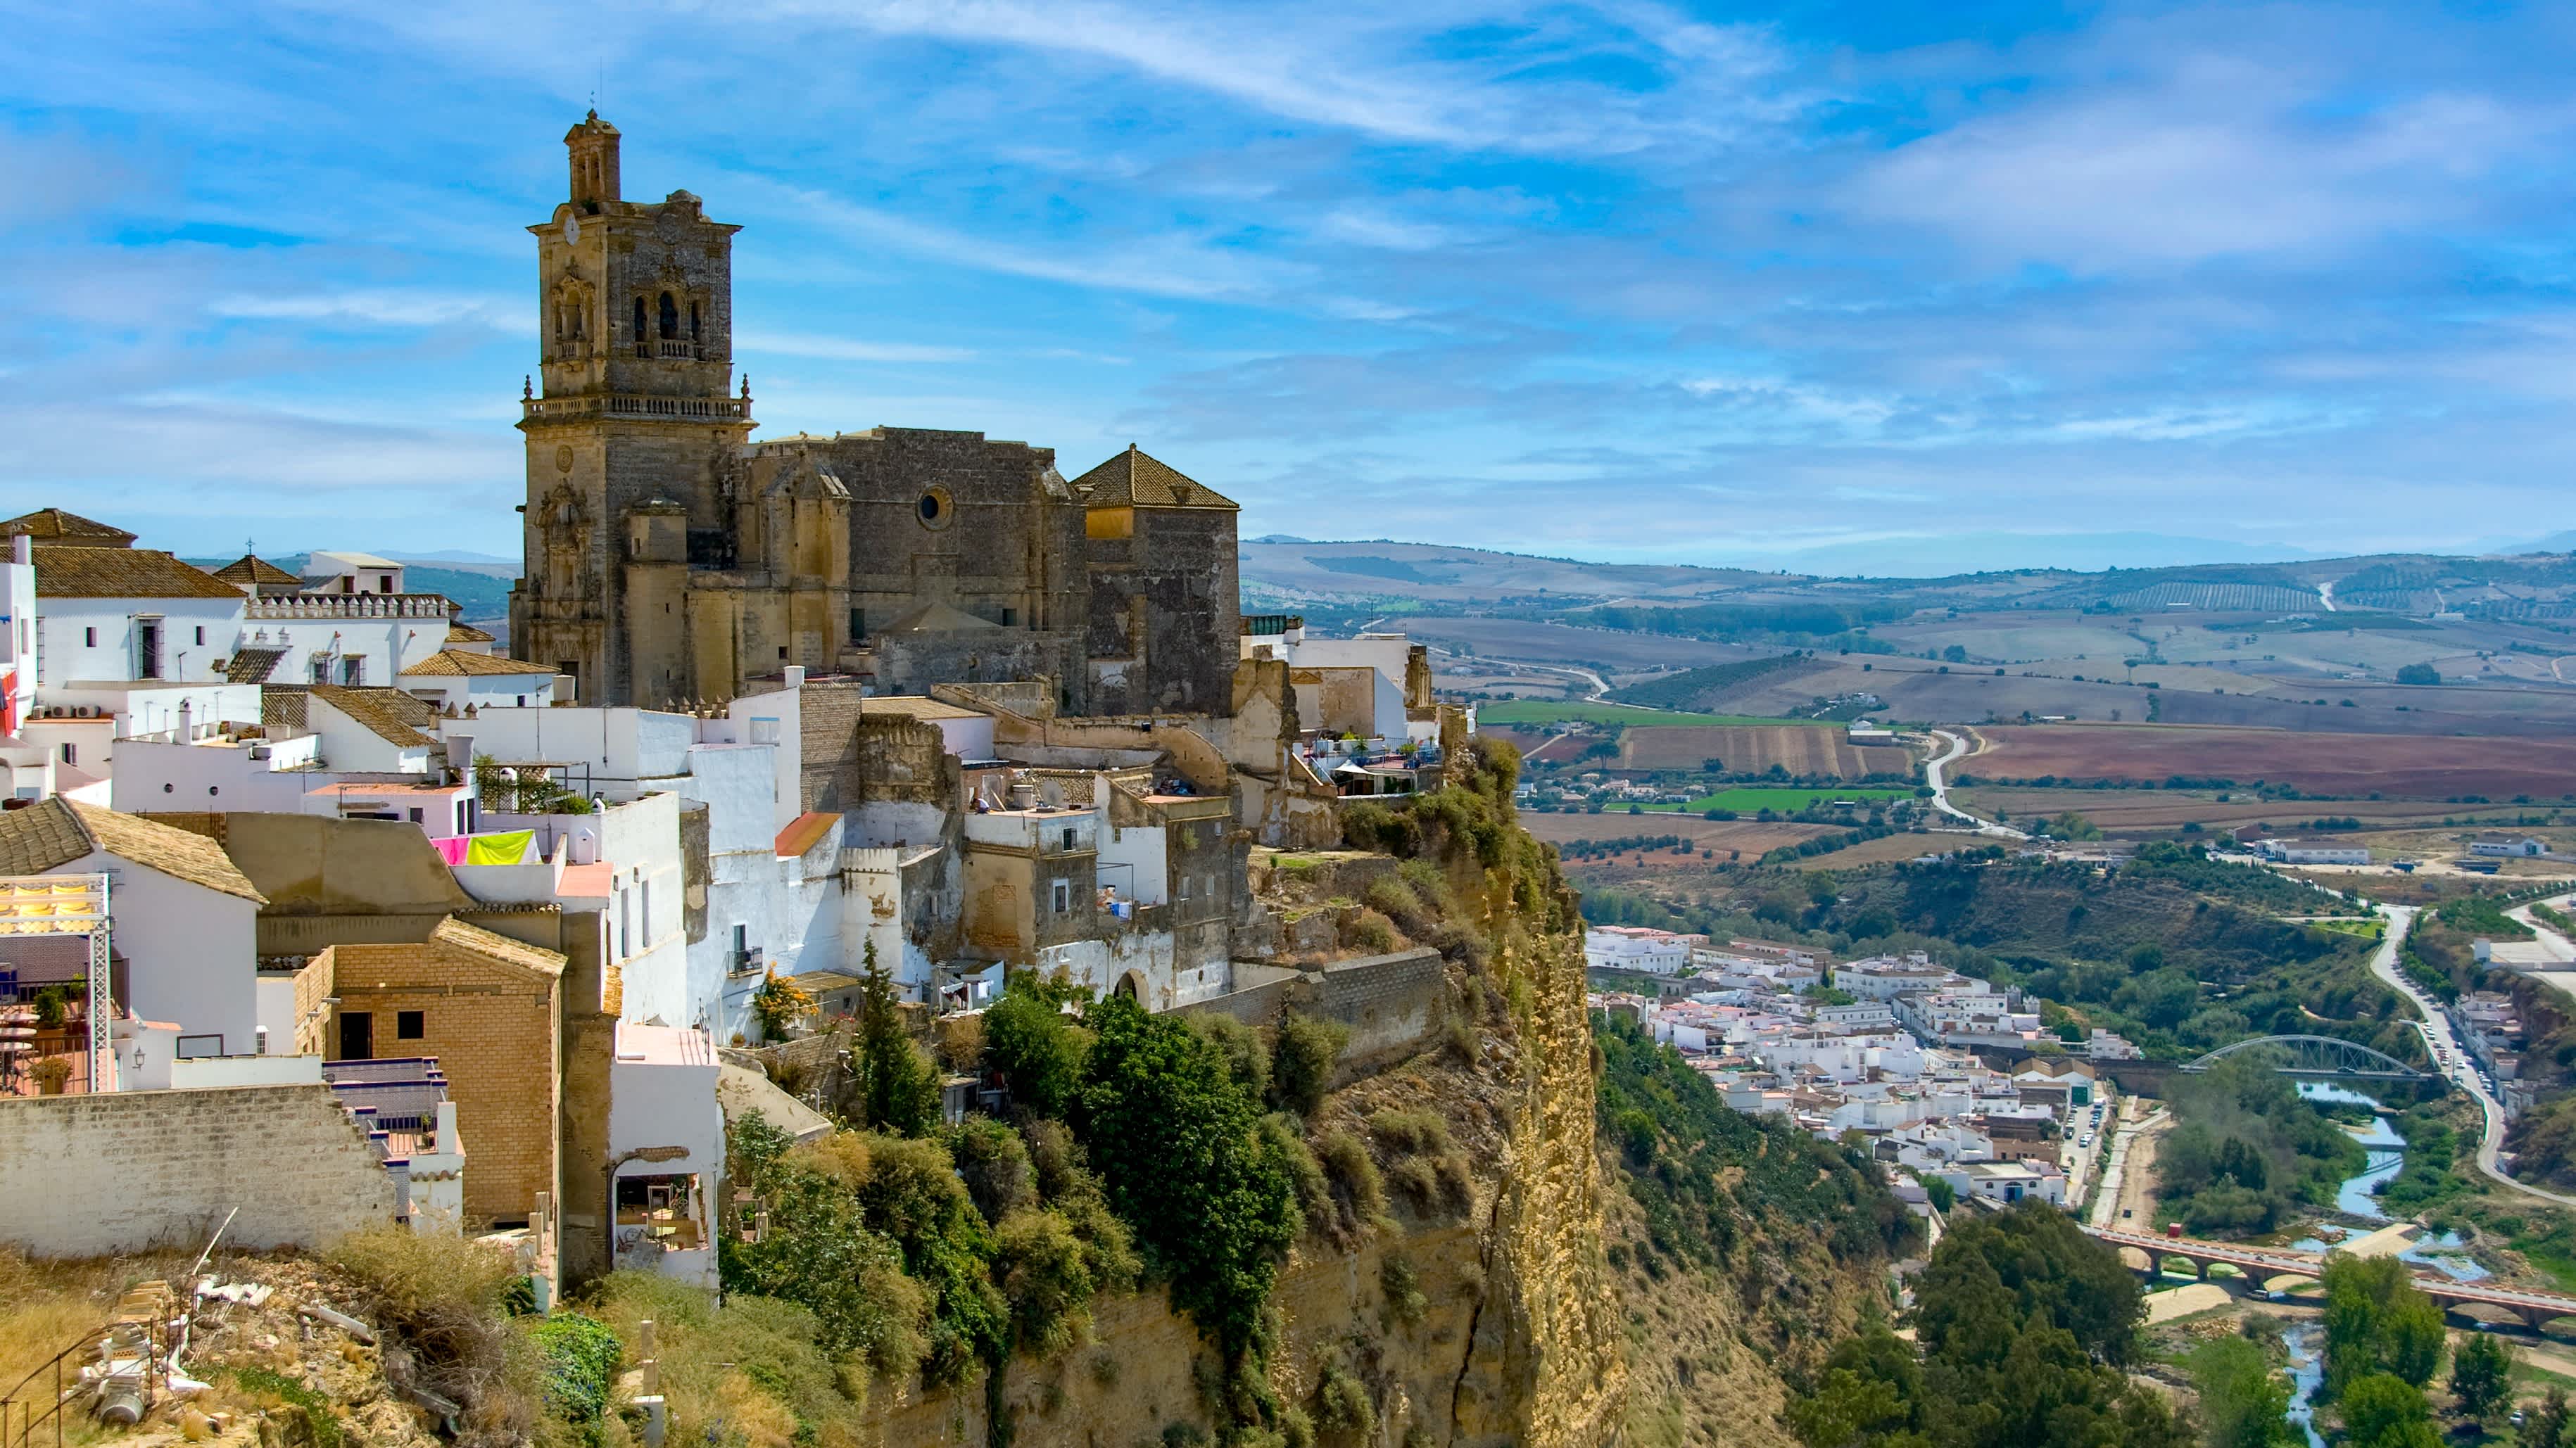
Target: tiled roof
{"x": 389, "y": 714}
{"x": 475, "y": 940}
{"x": 52, "y": 833}
{"x": 466, "y": 633}
{"x": 65, "y": 571}
{"x": 803, "y": 833}
{"x": 252, "y": 665}
{"x": 253, "y": 570}
{"x": 53, "y": 525}
{"x": 1137, "y": 478}
{"x": 449, "y": 663}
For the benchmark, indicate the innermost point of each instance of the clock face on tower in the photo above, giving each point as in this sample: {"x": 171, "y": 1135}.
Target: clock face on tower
{"x": 572, "y": 231}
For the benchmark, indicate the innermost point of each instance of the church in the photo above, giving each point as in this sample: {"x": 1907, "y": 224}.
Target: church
{"x": 671, "y": 558}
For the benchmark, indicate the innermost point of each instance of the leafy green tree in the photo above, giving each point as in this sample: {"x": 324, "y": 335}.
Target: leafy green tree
{"x": 818, "y": 1251}
{"x": 912, "y": 1195}
{"x": 2480, "y": 1375}
{"x": 1869, "y": 1393}
{"x": 1943, "y": 1195}
{"x": 2384, "y": 1411}
{"x": 2052, "y": 1272}
{"x": 2243, "y": 1403}
{"x": 2377, "y": 1321}
{"x": 897, "y": 1086}
{"x": 1036, "y": 1047}
{"x": 1182, "y": 1159}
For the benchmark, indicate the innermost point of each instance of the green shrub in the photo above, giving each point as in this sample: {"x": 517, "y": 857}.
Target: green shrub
{"x": 994, "y": 1164}
{"x": 820, "y": 1251}
{"x": 1372, "y": 933}
{"x": 1359, "y": 1196}
{"x": 1247, "y": 1056}
{"x": 1343, "y": 1404}
{"x": 1315, "y": 1205}
{"x": 1409, "y": 1132}
{"x": 1302, "y": 1058}
{"x": 914, "y": 1197}
{"x": 1036, "y": 1048}
{"x": 1396, "y": 1278}
{"x": 730, "y": 1362}
{"x": 581, "y": 1365}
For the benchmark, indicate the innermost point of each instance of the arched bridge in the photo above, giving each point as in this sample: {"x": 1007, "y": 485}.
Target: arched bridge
{"x": 2256, "y": 1263}
{"x": 2325, "y": 1057}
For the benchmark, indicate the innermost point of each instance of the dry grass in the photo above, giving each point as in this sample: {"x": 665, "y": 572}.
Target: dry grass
{"x": 2403, "y": 766}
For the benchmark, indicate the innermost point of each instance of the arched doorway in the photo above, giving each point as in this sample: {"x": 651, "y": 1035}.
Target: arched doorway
{"x": 1132, "y": 986}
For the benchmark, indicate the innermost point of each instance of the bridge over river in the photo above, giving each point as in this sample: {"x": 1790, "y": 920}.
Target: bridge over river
{"x": 2534, "y": 1308}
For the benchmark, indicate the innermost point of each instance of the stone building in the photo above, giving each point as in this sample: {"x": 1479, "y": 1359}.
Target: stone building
{"x": 668, "y": 557}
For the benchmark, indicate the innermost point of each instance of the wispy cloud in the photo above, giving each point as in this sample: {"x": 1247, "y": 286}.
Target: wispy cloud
{"x": 844, "y": 349}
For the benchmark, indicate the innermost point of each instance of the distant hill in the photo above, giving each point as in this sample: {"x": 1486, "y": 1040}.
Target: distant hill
{"x": 483, "y": 591}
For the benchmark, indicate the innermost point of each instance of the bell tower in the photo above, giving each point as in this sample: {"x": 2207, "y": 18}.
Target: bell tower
{"x": 632, "y": 412}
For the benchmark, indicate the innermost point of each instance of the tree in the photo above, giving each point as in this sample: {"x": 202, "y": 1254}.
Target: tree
{"x": 1179, "y": 1151}
{"x": 2383, "y": 1411}
{"x": 897, "y": 1087}
{"x": 2243, "y": 1404}
{"x": 2377, "y": 1321}
{"x": 2480, "y": 1373}
{"x": 778, "y": 1004}
{"x": 1943, "y": 1196}
{"x": 2546, "y": 1425}
{"x": 2418, "y": 674}
{"x": 1029, "y": 1039}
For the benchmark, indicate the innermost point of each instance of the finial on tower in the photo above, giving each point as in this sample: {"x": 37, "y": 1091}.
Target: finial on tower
{"x": 527, "y": 387}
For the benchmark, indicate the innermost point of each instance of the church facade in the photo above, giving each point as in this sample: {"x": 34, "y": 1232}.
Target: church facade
{"x": 670, "y": 557}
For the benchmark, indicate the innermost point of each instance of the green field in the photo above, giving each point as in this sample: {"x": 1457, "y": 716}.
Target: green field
{"x": 1745, "y": 799}
{"x": 1539, "y": 711}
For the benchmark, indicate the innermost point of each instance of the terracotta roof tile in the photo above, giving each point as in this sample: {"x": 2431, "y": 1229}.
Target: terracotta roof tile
{"x": 390, "y": 714}
{"x": 251, "y": 569}
{"x": 53, "y": 525}
{"x": 455, "y": 934}
{"x": 450, "y": 663}
{"x": 52, "y": 833}
{"x": 65, "y": 571}
{"x": 466, "y": 633}
{"x": 1136, "y": 478}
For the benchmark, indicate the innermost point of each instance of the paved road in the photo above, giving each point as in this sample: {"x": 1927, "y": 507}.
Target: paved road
{"x": 1956, "y": 748}
{"x": 2125, "y": 1170}
{"x": 2437, "y": 1031}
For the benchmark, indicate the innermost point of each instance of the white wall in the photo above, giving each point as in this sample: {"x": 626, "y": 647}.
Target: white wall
{"x": 776, "y": 718}
{"x": 191, "y": 952}
{"x": 620, "y": 748}
{"x": 66, "y": 625}
{"x": 657, "y": 1101}
{"x": 157, "y": 776}
{"x": 642, "y": 840}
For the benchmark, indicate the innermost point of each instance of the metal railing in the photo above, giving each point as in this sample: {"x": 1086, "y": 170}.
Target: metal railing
{"x": 136, "y": 1381}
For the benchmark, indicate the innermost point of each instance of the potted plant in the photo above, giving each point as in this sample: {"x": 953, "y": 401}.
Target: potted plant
{"x": 51, "y": 1074}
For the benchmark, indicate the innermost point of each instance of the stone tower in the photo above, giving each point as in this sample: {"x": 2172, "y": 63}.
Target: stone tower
{"x": 636, "y": 436}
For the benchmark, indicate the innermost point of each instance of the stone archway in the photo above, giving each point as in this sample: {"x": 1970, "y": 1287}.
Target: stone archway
{"x": 1132, "y": 986}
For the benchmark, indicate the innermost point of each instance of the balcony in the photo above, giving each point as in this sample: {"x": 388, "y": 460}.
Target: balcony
{"x": 635, "y": 405}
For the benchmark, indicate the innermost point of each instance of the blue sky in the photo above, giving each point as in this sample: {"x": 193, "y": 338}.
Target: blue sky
{"x": 1900, "y": 286}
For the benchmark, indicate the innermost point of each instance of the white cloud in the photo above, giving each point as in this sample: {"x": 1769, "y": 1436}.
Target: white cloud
{"x": 381, "y": 309}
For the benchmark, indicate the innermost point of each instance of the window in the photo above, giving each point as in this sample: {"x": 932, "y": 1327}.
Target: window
{"x": 1062, "y": 893}
{"x": 670, "y": 319}
{"x": 1068, "y": 837}
{"x": 693, "y": 321}
{"x": 89, "y": 638}
{"x": 201, "y": 633}
{"x": 858, "y": 623}
{"x": 321, "y": 668}
{"x": 782, "y": 653}
{"x": 410, "y": 1025}
{"x": 1010, "y": 616}
{"x": 639, "y": 324}
{"x": 71, "y": 754}
{"x": 384, "y": 584}
{"x": 147, "y": 648}
{"x": 353, "y": 670}
{"x": 416, "y": 815}
{"x": 357, "y": 1036}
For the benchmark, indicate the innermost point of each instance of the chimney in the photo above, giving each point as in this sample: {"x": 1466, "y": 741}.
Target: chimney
{"x": 794, "y": 675}
{"x": 22, "y": 549}
{"x": 593, "y": 154}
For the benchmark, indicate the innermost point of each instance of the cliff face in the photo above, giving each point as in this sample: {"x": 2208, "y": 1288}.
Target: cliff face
{"x": 1490, "y": 1322}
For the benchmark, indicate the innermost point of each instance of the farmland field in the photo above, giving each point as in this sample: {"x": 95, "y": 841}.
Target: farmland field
{"x": 1521, "y": 712}
{"x": 2414, "y": 767}
{"x": 2164, "y": 809}
{"x": 1753, "y": 837}
{"x": 1748, "y": 798}
{"x": 1798, "y": 748}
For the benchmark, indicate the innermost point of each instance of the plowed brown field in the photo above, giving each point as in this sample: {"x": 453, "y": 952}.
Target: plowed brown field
{"x": 1751, "y": 836}
{"x": 1798, "y": 748}
{"x": 2399, "y": 766}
